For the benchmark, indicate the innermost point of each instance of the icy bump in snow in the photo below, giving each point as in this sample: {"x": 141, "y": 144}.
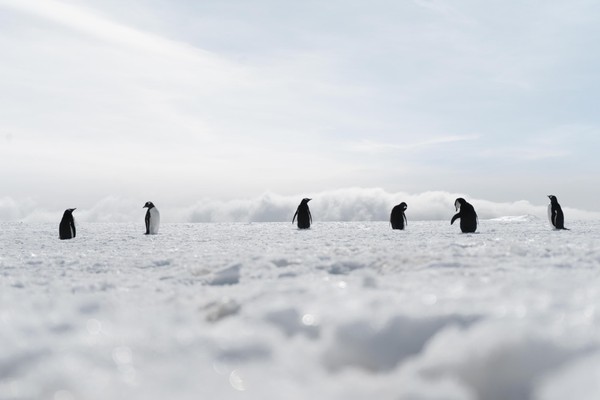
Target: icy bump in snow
{"x": 496, "y": 368}
{"x": 381, "y": 349}
{"x": 220, "y": 309}
{"x": 227, "y": 276}
{"x": 291, "y": 322}
{"x": 343, "y": 267}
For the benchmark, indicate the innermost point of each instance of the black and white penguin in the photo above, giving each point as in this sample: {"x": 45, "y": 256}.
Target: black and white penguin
{"x": 555, "y": 213}
{"x": 303, "y": 214}
{"x": 397, "y": 217}
{"x": 66, "y": 228}
{"x": 152, "y": 219}
{"x": 467, "y": 215}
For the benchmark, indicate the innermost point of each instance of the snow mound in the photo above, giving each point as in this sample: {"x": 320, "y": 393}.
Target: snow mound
{"x": 383, "y": 348}
{"x": 495, "y": 367}
{"x": 226, "y": 276}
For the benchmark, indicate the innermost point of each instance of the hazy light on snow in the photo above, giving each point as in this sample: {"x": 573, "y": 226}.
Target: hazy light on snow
{"x": 346, "y": 310}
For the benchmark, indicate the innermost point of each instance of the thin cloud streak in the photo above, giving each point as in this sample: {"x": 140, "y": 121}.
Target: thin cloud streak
{"x": 369, "y": 146}
{"x": 92, "y": 23}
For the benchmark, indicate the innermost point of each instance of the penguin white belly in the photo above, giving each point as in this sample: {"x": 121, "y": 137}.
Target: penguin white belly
{"x": 550, "y": 215}
{"x": 154, "y": 221}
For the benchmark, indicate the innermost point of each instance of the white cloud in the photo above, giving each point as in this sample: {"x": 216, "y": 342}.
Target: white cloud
{"x": 349, "y": 204}
{"x": 12, "y": 210}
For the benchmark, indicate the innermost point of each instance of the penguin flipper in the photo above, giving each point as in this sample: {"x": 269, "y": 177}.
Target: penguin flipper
{"x": 405, "y": 220}
{"x": 147, "y": 220}
{"x": 456, "y": 216}
{"x": 73, "y": 229}
{"x": 295, "y": 214}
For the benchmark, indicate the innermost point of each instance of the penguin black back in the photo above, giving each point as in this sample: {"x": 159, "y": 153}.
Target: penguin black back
{"x": 555, "y": 213}
{"x": 466, "y": 213}
{"x": 397, "y": 217}
{"x": 66, "y": 228}
{"x": 303, "y": 214}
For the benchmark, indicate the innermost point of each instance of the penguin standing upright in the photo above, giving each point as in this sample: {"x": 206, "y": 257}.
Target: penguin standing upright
{"x": 555, "y": 213}
{"x": 467, "y": 215}
{"x": 303, "y": 214}
{"x": 66, "y": 228}
{"x": 152, "y": 219}
{"x": 397, "y": 217}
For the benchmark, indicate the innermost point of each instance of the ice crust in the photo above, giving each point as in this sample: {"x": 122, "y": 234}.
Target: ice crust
{"x": 349, "y": 310}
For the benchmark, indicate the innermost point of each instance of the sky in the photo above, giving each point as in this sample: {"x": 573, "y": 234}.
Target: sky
{"x": 105, "y": 103}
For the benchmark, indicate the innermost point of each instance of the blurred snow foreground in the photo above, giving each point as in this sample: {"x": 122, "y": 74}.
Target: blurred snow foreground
{"x": 265, "y": 311}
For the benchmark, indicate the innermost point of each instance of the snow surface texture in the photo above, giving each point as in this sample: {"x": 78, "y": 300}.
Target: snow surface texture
{"x": 265, "y": 311}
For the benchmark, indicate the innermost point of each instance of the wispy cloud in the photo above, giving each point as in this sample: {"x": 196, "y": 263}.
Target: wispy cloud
{"x": 369, "y": 146}
{"x": 102, "y": 27}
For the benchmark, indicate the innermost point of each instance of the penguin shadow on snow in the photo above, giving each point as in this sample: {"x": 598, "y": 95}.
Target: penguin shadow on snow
{"x": 303, "y": 214}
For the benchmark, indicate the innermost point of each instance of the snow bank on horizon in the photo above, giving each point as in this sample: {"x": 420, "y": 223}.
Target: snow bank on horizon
{"x": 349, "y": 204}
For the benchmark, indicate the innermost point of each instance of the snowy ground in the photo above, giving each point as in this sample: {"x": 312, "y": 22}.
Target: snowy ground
{"x": 265, "y": 311}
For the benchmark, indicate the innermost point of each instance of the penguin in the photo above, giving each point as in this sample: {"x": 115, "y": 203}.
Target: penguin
{"x": 152, "y": 218}
{"x": 303, "y": 213}
{"x": 467, "y": 215}
{"x": 66, "y": 228}
{"x": 397, "y": 217}
{"x": 555, "y": 213}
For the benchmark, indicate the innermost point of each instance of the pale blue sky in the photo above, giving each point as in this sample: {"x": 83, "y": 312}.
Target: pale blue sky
{"x": 179, "y": 100}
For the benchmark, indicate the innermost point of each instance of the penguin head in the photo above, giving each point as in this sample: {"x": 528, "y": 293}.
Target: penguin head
{"x": 305, "y": 200}
{"x": 70, "y": 210}
{"x": 148, "y": 205}
{"x": 459, "y": 202}
{"x": 552, "y": 198}
{"x": 403, "y": 206}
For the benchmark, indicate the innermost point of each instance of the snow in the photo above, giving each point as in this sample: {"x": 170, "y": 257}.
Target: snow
{"x": 347, "y": 310}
